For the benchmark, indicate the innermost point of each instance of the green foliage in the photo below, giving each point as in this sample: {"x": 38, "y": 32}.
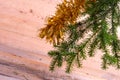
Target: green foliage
{"x": 102, "y": 23}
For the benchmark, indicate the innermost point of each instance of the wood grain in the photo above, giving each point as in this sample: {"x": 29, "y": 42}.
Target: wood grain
{"x": 23, "y": 56}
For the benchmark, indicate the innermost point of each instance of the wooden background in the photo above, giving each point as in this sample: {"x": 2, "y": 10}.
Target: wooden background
{"x": 23, "y": 56}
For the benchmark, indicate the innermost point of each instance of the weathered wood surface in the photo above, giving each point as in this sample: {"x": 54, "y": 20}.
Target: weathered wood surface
{"x": 23, "y": 56}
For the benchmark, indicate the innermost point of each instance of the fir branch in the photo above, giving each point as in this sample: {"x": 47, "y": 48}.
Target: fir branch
{"x": 103, "y": 35}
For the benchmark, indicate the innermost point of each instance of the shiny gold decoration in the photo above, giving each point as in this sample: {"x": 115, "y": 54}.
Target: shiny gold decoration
{"x": 67, "y": 13}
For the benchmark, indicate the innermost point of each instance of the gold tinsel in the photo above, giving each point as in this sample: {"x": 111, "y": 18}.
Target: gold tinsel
{"x": 67, "y": 13}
